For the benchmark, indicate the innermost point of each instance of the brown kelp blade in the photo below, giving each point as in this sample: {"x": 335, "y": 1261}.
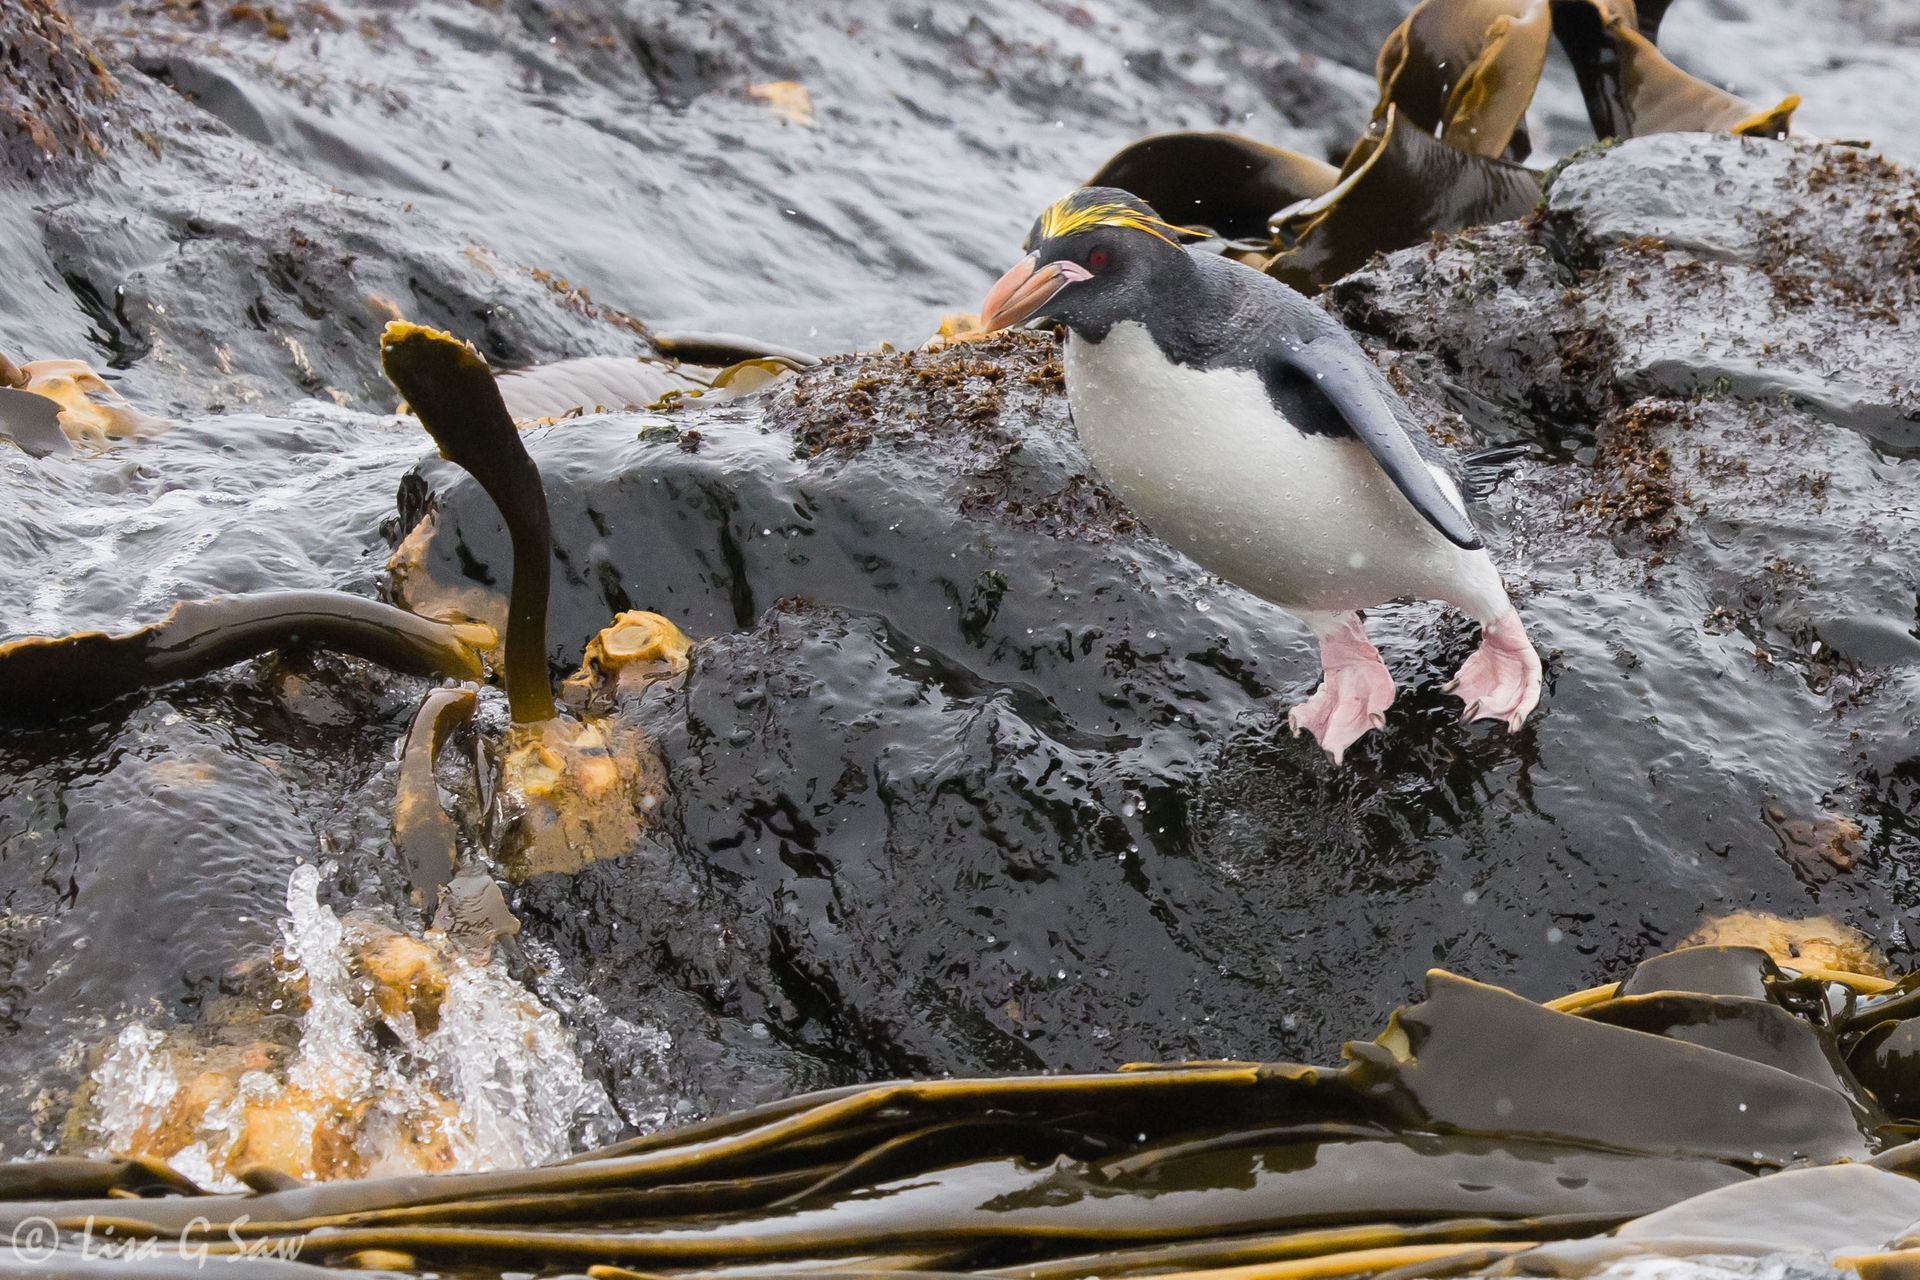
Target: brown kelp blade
{"x": 1645, "y": 16}
{"x": 1887, "y": 1061}
{"x": 1474, "y": 1058}
{"x": 722, "y": 349}
{"x": 1212, "y": 1253}
{"x": 33, "y": 423}
{"x": 1220, "y": 182}
{"x": 1008, "y": 1206}
{"x": 1632, "y": 89}
{"x": 1756, "y": 1029}
{"x": 74, "y": 1176}
{"x": 1480, "y": 1126}
{"x": 1822, "y": 1209}
{"x": 422, "y": 831}
{"x": 1397, "y": 187}
{"x": 1120, "y": 1101}
{"x": 473, "y": 912}
{"x": 45, "y": 678}
{"x": 1466, "y": 70}
{"x": 591, "y": 384}
{"x": 90, "y": 410}
{"x": 450, "y": 388}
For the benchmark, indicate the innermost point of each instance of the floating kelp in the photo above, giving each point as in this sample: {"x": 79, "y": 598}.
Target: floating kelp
{"x": 691, "y": 364}
{"x": 1887, "y": 1061}
{"x": 473, "y": 912}
{"x": 591, "y": 384}
{"x": 719, "y": 350}
{"x": 570, "y": 791}
{"x": 451, "y": 389}
{"x": 412, "y": 585}
{"x": 422, "y": 831}
{"x": 48, "y": 677}
{"x": 787, "y": 98}
{"x": 1813, "y": 942}
{"x": 90, "y": 412}
{"x": 1472, "y": 1057}
{"x": 575, "y": 791}
{"x": 1399, "y": 185}
{"x": 1479, "y": 1128}
{"x": 69, "y": 1175}
{"x": 1465, "y": 70}
{"x": 1805, "y": 1214}
{"x": 32, "y": 423}
{"x": 1455, "y": 79}
{"x": 1218, "y": 182}
{"x": 466, "y": 903}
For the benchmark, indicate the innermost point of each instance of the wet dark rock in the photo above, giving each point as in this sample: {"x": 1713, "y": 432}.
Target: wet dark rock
{"x": 914, "y": 703}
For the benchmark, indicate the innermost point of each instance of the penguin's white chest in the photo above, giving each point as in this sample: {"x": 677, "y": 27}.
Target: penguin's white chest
{"x": 1204, "y": 458}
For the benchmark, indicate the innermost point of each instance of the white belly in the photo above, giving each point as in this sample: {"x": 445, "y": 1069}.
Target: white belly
{"x": 1308, "y": 521}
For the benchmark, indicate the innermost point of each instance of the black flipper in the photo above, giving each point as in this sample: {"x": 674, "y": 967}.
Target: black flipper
{"x": 1318, "y": 384}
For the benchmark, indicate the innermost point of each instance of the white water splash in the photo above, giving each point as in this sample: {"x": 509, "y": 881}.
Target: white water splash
{"x": 498, "y": 1077}
{"x": 132, "y": 1084}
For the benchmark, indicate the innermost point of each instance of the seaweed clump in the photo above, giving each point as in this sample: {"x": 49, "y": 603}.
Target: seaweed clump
{"x": 1632, "y": 479}
{"x": 852, "y": 399}
{"x": 966, "y": 396}
{"x": 55, "y": 91}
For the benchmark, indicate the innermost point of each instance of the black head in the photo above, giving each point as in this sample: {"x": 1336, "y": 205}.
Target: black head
{"x": 1097, "y": 256}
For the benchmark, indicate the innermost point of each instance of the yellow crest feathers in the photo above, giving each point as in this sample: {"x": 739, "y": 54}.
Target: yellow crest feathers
{"x": 1075, "y": 213}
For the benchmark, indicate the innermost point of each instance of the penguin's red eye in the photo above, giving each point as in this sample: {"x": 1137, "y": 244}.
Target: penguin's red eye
{"x": 1097, "y": 259}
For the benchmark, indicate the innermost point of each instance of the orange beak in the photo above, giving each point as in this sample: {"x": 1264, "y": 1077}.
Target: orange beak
{"x": 1026, "y": 288}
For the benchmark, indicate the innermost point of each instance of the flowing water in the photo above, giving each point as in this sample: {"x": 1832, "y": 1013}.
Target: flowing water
{"x": 1045, "y": 852}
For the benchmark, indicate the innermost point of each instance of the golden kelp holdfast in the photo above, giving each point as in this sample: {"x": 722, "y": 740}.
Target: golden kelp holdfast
{"x": 1444, "y": 146}
{"x": 1712, "y": 1103}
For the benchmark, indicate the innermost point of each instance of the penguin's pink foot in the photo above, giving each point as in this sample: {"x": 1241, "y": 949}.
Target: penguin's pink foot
{"x": 1355, "y": 690}
{"x": 1501, "y": 681}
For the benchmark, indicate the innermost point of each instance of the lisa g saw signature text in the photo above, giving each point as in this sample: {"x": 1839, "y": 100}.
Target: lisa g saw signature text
{"x": 43, "y": 1242}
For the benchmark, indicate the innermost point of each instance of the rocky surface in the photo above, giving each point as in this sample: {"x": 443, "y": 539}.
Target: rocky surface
{"x": 953, "y": 715}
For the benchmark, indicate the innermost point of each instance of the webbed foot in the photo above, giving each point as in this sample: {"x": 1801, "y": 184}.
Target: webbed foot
{"x": 1354, "y": 692}
{"x": 1501, "y": 681}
